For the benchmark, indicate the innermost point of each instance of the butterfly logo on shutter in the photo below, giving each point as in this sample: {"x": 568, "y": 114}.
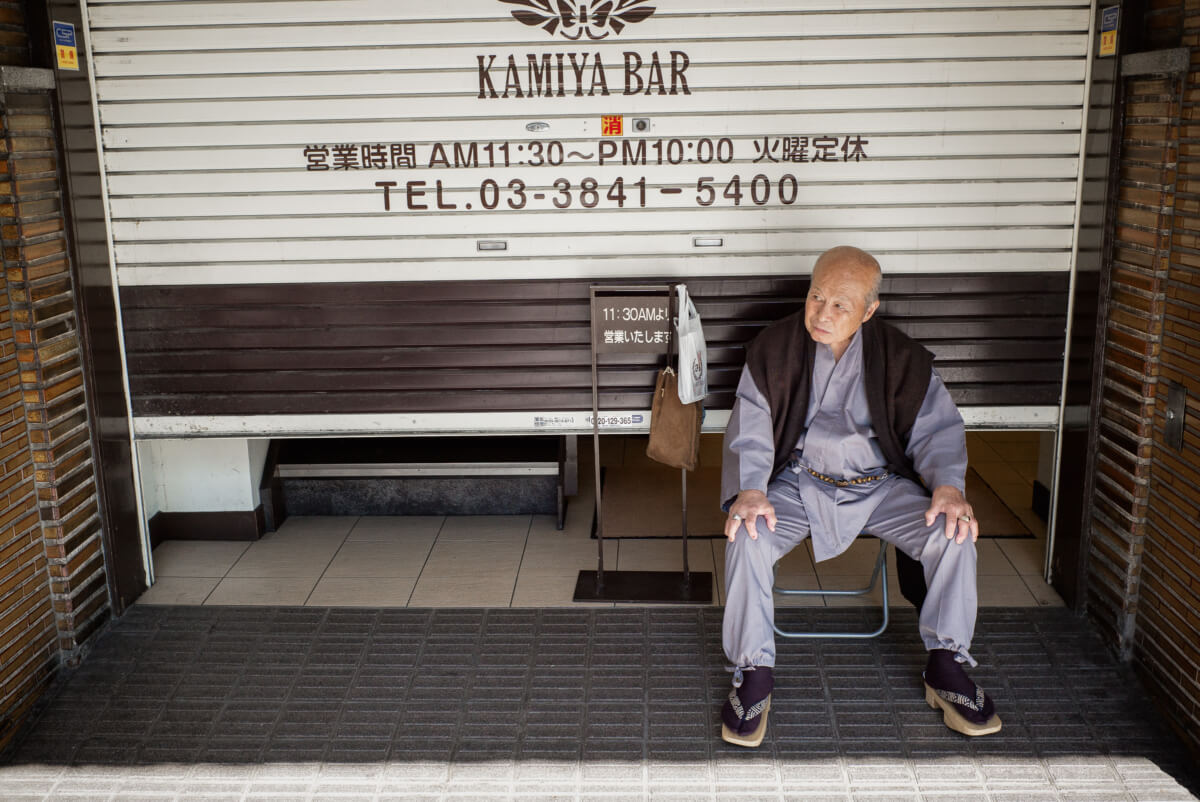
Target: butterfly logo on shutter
{"x": 595, "y": 20}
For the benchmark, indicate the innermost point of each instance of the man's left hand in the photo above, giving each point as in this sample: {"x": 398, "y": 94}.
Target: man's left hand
{"x": 960, "y": 518}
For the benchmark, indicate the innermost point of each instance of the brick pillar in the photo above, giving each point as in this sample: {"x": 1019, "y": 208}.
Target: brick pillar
{"x": 28, "y": 626}
{"x": 1132, "y": 344}
{"x": 41, "y": 296}
{"x": 53, "y": 579}
{"x": 1166, "y": 649}
{"x": 28, "y": 632}
{"x": 1145, "y": 542}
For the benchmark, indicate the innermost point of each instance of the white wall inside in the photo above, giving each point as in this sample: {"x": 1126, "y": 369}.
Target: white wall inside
{"x": 201, "y": 475}
{"x": 258, "y": 459}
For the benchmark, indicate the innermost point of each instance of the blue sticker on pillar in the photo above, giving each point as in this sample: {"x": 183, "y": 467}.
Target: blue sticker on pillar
{"x": 65, "y": 51}
{"x": 1109, "y": 20}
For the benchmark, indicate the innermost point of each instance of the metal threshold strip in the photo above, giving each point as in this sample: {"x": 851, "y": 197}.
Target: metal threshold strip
{"x": 365, "y": 469}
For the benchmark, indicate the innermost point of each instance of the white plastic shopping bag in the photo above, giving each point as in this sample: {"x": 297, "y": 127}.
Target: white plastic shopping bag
{"x": 693, "y": 354}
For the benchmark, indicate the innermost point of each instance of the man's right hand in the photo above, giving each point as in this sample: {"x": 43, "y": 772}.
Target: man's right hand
{"x": 746, "y": 509}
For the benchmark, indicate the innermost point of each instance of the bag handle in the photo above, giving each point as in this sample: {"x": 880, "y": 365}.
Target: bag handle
{"x": 673, "y": 321}
{"x": 685, "y": 304}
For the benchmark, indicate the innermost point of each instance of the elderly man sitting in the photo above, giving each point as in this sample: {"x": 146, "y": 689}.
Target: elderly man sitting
{"x": 840, "y": 425}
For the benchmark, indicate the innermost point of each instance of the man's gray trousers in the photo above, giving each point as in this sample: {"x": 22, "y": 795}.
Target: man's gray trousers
{"x": 947, "y": 619}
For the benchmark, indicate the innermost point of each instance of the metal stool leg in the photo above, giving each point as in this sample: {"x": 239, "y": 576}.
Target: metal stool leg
{"x": 880, "y": 573}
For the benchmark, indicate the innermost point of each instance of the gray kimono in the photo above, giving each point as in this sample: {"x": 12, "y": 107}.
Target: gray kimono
{"x": 840, "y": 443}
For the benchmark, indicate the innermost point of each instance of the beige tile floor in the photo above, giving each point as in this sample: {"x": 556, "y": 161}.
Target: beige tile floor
{"x": 523, "y": 561}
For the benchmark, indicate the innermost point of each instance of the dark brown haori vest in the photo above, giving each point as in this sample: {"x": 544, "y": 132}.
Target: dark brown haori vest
{"x": 896, "y": 371}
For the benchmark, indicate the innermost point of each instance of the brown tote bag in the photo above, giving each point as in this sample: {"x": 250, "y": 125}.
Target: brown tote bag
{"x": 674, "y": 426}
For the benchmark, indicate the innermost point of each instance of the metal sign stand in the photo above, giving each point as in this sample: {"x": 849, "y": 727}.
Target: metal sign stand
{"x": 632, "y": 313}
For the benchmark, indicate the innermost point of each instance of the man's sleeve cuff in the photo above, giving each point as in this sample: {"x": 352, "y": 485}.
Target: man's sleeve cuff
{"x": 957, "y": 482}
{"x": 727, "y": 503}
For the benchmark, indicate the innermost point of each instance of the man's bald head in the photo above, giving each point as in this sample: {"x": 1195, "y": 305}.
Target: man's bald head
{"x": 854, "y": 261}
{"x": 843, "y": 295}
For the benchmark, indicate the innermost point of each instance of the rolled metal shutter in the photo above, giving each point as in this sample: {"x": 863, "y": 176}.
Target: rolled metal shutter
{"x": 304, "y": 195}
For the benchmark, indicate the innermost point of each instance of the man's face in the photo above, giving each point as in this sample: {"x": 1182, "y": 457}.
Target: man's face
{"x": 837, "y": 304}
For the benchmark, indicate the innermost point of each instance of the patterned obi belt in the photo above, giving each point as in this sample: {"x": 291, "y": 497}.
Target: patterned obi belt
{"x": 796, "y": 465}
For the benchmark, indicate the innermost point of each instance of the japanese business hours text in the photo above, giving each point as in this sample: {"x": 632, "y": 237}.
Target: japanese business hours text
{"x": 508, "y": 192}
